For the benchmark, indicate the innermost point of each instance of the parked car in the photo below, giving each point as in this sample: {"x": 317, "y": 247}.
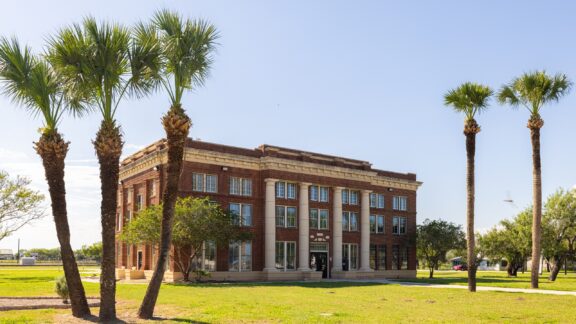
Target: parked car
{"x": 460, "y": 267}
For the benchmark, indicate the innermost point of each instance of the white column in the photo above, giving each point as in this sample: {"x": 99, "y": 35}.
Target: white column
{"x": 303, "y": 228}
{"x": 270, "y": 225}
{"x": 337, "y": 230}
{"x": 365, "y": 231}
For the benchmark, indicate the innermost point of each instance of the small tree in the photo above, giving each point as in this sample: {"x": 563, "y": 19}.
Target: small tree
{"x": 91, "y": 252}
{"x": 559, "y": 228}
{"x": 61, "y": 288}
{"x": 435, "y": 238}
{"x": 19, "y": 205}
{"x": 196, "y": 221}
{"x": 511, "y": 240}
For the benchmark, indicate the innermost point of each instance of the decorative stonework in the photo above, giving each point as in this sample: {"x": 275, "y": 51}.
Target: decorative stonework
{"x": 267, "y": 163}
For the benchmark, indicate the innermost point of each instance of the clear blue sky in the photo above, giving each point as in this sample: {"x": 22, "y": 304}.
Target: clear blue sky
{"x": 361, "y": 79}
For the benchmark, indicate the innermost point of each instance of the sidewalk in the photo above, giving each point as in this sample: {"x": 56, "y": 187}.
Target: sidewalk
{"x": 478, "y": 288}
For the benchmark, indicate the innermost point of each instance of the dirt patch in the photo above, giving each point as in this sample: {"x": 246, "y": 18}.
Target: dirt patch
{"x": 18, "y": 303}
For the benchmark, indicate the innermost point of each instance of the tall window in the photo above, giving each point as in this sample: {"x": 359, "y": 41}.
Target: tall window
{"x": 399, "y": 257}
{"x": 128, "y": 216}
{"x": 285, "y": 216}
{"x": 240, "y": 256}
{"x": 350, "y": 197}
{"x": 404, "y": 258}
{"x": 400, "y": 203}
{"x": 398, "y": 225}
{"x": 349, "y": 256}
{"x": 376, "y": 200}
{"x": 151, "y": 188}
{"x": 378, "y": 257}
{"x": 319, "y": 219}
{"x": 205, "y": 259}
{"x": 204, "y": 182}
{"x": 118, "y": 222}
{"x": 349, "y": 221}
{"x": 376, "y": 224}
{"x": 241, "y": 214}
{"x": 139, "y": 202}
{"x": 324, "y": 193}
{"x": 285, "y": 255}
{"x": 286, "y": 190}
{"x": 240, "y": 186}
{"x": 314, "y": 193}
{"x": 130, "y": 194}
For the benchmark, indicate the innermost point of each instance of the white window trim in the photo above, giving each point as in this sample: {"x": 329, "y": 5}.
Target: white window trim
{"x": 242, "y": 256}
{"x": 397, "y": 205}
{"x": 286, "y": 255}
{"x": 285, "y": 185}
{"x": 320, "y": 220}
{"x": 320, "y": 194}
{"x": 348, "y": 246}
{"x": 286, "y": 216}
{"x": 317, "y": 193}
{"x": 376, "y": 216}
{"x": 400, "y": 218}
{"x": 349, "y": 229}
{"x": 204, "y": 182}
{"x": 241, "y": 214}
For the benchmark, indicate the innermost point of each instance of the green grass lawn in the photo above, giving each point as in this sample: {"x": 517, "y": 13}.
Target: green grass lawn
{"x": 498, "y": 279}
{"x": 337, "y": 302}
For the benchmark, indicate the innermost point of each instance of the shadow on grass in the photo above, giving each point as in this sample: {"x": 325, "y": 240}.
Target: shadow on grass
{"x": 315, "y": 284}
{"x": 27, "y": 279}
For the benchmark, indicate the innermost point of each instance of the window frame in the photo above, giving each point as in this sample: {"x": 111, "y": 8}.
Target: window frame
{"x": 400, "y": 203}
{"x": 319, "y": 212}
{"x": 285, "y": 265}
{"x": 347, "y": 249}
{"x": 285, "y": 219}
{"x": 241, "y": 246}
{"x": 241, "y": 186}
{"x": 241, "y": 218}
{"x": 327, "y": 191}
{"x": 376, "y": 218}
{"x": 204, "y": 177}
{"x": 399, "y": 225}
{"x": 348, "y": 216}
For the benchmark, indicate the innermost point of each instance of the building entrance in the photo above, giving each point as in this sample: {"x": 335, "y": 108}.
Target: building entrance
{"x": 139, "y": 261}
{"x": 319, "y": 262}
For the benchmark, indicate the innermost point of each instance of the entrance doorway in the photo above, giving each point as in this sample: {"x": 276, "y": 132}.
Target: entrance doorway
{"x": 139, "y": 261}
{"x": 319, "y": 262}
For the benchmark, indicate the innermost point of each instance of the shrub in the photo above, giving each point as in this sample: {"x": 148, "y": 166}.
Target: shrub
{"x": 61, "y": 288}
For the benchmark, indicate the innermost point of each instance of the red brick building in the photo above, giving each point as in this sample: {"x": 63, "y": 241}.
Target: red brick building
{"x": 312, "y": 215}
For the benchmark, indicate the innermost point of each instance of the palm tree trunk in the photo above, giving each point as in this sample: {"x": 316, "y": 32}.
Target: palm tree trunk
{"x": 108, "y": 145}
{"x": 534, "y": 124}
{"x": 471, "y": 128}
{"x": 177, "y": 125}
{"x": 52, "y": 149}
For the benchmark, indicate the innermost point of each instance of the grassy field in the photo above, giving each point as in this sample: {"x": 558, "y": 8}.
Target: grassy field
{"x": 498, "y": 279}
{"x": 336, "y": 302}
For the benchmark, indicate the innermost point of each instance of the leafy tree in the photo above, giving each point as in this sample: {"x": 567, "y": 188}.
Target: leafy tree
{"x": 532, "y": 91}
{"x": 559, "y": 228}
{"x": 470, "y": 99}
{"x": 186, "y": 48}
{"x": 45, "y": 254}
{"x": 61, "y": 288}
{"x": 510, "y": 241}
{"x": 435, "y": 238}
{"x": 19, "y": 205}
{"x": 99, "y": 63}
{"x": 91, "y": 252}
{"x": 31, "y": 82}
{"x": 195, "y": 222}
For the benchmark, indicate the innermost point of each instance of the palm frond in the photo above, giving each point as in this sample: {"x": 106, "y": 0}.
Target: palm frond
{"x": 469, "y": 98}
{"x": 145, "y": 60}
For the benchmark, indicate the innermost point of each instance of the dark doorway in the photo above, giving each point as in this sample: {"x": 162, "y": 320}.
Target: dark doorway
{"x": 139, "y": 261}
{"x": 319, "y": 262}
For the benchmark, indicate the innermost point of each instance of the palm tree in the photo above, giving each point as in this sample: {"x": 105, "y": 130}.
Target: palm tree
{"x": 31, "y": 82}
{"x": 532, "y": 91}
{"x": 470, "y": 99}
{"x": 187, "y": 47}
{"x": 99, "y": 64}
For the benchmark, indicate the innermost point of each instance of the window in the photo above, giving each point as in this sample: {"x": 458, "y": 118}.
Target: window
{"x": 399, "y": 257}
{"x": 377, "y": 257}
{"x": 128, "y": 216}
{"x": 129, "y": 198}
{"x": 349, "y": 221}
{"x": 285, "y": 255}
{"x": 285, "y": 216}
{"x": 205, "y": 259}
{"x": 204, "y": 182}
{"x": 240, "y": 186}
{"x": 319, "y": 219}
{"x": 139, "y": 202}
{"x": 118, "y": 223}
{"x": 324, "y": 194}
{"x": 345, "y": 193}
{"x": 376, "y": 200}
{"x": 376, "y": 224}
{"x": 314, "y": 193}
{"x": 285, "y": 190}
{"x": 400, "y": 203}
{"x": 353, "y": 197}
{"x": 241, "y": 214}
{"x": 404, "y": 258}
{"x": 240, "y": 256}
{"x": 349, "y": 257}
{"x": 398, "y": 225}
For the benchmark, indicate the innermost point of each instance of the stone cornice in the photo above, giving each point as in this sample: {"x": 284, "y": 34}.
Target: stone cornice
{"x": 268, "y": 163}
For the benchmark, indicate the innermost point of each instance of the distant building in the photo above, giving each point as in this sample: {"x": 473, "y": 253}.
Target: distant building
{"x": 6, "y": 254}
{"x": 312, "y": 215}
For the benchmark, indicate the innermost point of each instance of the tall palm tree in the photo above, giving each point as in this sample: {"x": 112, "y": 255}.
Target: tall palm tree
{"x": 470, "y": 99}
{"x": 532, "y": 91}
{"x": 187, "y": 48}
{"x": 100, "y": 64}
{"x": 31, "y": 82}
